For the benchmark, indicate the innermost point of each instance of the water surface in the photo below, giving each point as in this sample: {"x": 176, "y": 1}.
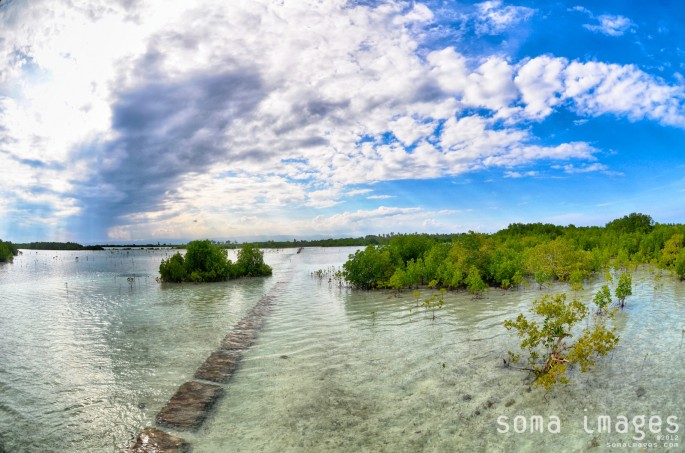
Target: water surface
{"x": 91, "y": 348}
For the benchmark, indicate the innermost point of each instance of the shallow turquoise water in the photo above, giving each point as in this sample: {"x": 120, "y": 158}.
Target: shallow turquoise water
{"x": 87, "y": 359}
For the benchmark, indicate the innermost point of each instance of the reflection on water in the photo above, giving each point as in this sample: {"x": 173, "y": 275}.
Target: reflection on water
{"x": 88, "y": 357}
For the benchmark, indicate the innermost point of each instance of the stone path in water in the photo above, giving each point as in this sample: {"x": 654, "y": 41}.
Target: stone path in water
{"x": 192, "y": 403}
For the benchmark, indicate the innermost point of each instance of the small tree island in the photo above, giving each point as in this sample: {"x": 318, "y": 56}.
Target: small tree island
{"x": 7, "y": 251}
{"x": 205, "y": 262}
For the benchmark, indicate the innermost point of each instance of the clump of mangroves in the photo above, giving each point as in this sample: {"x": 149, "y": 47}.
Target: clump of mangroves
{"x": 7, "y": 251}
{"x": 539, "y": 253}
{"x": 207, "y": 262}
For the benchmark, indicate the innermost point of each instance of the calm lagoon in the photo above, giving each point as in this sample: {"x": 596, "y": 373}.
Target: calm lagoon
{"x": 92, "y": 347}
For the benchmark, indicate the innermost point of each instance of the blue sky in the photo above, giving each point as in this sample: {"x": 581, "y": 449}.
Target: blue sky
{"x": 165, "y": 120}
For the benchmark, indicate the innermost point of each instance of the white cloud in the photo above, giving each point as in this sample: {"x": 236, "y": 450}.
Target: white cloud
{"x": 611, "y": 25}
{"x": 600, "y": 88}
{"x": 401, "y": 219}
{"x": 581, "y": 9}
{"x": 409, "y": 131}
{"x": 588, "y": 168}
{"x": 491, "y": 85}
{"x": 607, "y": 24}
{"x": 493, "y": 18}
{"x": 380, "y": 197}
{"x": 291, "y": 116}
{"x": 351, "y": 193}
{"x": 541, "y": 85}
{"x": 517, "y": 174}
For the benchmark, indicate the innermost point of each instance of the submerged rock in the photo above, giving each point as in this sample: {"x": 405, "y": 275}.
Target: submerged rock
{"x": 238, "y": 339}
{"x": 219, "y": 366}
{"x": 250, "y": 323}
{"x": 154, "y": 440}
{"x": 189, "y": 406}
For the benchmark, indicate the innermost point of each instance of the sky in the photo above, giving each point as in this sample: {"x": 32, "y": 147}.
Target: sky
{"x": 159, "y": 120}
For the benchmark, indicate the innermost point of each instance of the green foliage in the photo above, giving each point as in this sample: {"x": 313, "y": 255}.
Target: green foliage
{"x": 250, "y": 263}
{"x": 632, "y": 223}
{"x": 548, "y": 344}
{"x": 417, "y": 297}
{"x": 409, "y": 247}
{"x": 536, "y": 252}
{"x": 624, "y": 288}
{"x": 672, "y": 249}
{"x": 474, "y": 283}
{"x": 679, "y": 266}
{"x": 7, "y": 251}
{"x": 206, "y": 262}
{"x": 576, "y": 279}
{"x": 435, "y": 301}
{"x": 173, "y": 269}
{"x": 557, "y": 259}
{"x": 369, "y": 268}
{"x": 542, "y": 277}
{"x": 603, "y": 300}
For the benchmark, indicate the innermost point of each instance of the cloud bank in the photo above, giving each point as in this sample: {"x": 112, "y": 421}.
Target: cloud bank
{"x": 128, "y": 120}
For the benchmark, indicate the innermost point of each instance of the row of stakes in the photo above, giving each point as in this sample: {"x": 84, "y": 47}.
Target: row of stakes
{"x": 191, "y": 404}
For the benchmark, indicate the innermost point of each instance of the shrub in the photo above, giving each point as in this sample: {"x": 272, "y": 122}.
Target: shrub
{"x": 7, "y": 251}
{"x": 173, "y": 269}
{"x": 549, "y": 346}
{"x": 624, "y": 288}
{"x": 205, "y": 262}
{"x": 680, "y": 265}
{"x": 250, "y": 263}
{"x": 369, "y": 268}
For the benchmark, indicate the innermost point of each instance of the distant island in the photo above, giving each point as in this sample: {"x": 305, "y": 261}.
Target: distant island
{"x": 296, "y": 243}
{"x": 57, "y": 246}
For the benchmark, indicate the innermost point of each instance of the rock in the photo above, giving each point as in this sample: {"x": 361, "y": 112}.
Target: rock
{"x": 250, "y": 323}
{"x": 189, "y": 406}
{"x": 467, "y": 397}
{"x": 238, "y": 339}
{"x": 510, "y": 403}
{"x": 640, "y": 392}
{"x": 154, "y": 440}
{"x": 219, "y": 366}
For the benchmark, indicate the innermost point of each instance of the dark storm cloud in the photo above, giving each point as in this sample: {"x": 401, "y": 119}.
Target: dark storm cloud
{"x": 165, "y": 130}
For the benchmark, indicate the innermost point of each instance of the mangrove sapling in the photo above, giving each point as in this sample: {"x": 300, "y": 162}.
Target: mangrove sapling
{"x": 624, "y": 288}
{"x": 603, "y": 300}
{"x": 417, "y": 298}
{"x": 576, "y": 279}
{"x": 542, "y": 277}
{"x": 434, "y": 302}
{"x": 550, "y": 350}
